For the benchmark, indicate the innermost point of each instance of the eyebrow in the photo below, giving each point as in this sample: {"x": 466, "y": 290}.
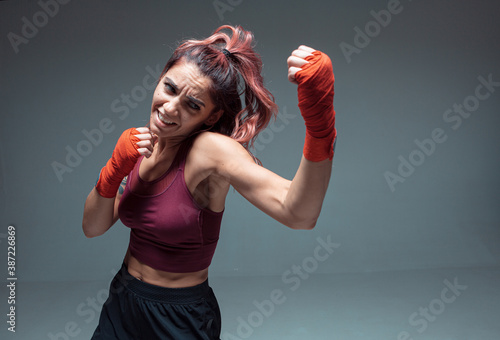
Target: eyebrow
{"x": 197, "y": 101}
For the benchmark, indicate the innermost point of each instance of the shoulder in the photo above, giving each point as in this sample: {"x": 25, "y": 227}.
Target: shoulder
{"x": 214, "y": 139}
{"x": 217, "y": 146}
{"x": 215, "y": 150}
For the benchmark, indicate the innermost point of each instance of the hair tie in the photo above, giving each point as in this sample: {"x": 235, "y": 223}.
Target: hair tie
{"x": 227, "y": 53}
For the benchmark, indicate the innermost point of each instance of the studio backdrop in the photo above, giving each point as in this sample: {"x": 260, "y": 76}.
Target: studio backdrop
{"x": 415, "y": 180}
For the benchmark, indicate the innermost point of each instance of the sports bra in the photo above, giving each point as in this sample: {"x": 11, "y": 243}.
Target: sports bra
{"x": 169, "y": 230}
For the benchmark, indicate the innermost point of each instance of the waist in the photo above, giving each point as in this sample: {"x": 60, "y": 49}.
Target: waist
{"x": 145, "y": 273}
{"x": 169, "y": 295}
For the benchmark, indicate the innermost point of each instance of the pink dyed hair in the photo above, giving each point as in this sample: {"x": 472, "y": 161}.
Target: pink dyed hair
{"x": 237, "y": 84}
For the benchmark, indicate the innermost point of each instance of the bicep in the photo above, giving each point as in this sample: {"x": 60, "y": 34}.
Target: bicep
{"x": 228, "y": 160}
{"x": 263, "y": 188}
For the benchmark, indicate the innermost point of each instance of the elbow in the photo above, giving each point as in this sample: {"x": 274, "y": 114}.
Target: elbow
{"x": 303, "y": 224}
{"x": 86, "y": 229}
{"x": 302, "y": 219}
{"x": 90, "y": 232}
{"x": 89, "y": 235}
{"x": 308, "y": 225}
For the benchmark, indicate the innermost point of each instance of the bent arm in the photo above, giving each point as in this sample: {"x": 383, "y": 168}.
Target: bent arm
{"x": 100, "y": 213}
{"x": 296, "y": 204}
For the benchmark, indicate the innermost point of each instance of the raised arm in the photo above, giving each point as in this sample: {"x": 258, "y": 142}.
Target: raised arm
{"x": 312, "y": 71}
{"x": 297, "y": 203}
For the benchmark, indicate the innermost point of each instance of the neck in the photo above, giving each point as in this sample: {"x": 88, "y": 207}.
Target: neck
{"x": 165, "y": 149}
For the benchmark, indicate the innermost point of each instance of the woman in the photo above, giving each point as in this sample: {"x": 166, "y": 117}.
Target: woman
{"x": 178, "y": 172}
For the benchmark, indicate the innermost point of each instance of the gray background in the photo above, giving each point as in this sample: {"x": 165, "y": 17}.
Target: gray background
{"x": 394, "y": 91}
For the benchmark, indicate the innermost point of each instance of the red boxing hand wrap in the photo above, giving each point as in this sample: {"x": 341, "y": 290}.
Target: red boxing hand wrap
{"x": 119, "y": 165}
{"x": 315, "y": 92}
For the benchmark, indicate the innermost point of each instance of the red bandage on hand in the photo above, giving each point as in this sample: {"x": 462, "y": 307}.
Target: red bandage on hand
{"x": 119, "y": 165}
{"x": 315, "y": 94}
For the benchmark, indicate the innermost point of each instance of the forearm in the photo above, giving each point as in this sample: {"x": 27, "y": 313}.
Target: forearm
{"x": 313, "y": 72}
{"x": 98, "y": 214}
{"x": 305, "y": 196}
{"x": 101, "y": 206}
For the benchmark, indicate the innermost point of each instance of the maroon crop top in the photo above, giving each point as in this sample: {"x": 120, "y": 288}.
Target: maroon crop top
{"x": 169, "y": 231}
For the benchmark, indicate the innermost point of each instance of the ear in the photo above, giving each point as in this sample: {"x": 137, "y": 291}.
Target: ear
{"x": 214, "y": 117}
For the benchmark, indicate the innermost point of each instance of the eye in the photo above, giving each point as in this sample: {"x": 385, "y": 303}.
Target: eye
{"x": 169, "y": 87}
{"x": 194, "y": 106}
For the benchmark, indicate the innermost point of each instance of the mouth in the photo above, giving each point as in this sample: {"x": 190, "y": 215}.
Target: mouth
{"x": 164, "y": 120}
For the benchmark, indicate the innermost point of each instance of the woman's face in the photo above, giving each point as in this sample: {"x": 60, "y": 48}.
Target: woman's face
{"x": 181, "y": 102}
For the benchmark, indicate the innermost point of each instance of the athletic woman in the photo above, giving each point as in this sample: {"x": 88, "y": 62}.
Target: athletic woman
{"x": 208, "y": 107}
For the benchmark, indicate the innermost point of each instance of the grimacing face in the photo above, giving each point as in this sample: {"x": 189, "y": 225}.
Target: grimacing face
{"x": 181, "y": 102}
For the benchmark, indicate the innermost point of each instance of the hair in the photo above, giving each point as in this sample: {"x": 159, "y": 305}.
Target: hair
{"x": 237, "y": 88}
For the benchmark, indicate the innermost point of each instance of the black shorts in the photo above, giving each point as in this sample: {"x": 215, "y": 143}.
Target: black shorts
{"x": 138, "y": 310}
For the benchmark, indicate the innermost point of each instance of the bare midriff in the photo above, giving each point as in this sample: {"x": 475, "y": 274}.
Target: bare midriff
{"x": 145, "y": 273}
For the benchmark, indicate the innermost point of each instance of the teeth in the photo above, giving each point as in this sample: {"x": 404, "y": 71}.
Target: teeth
{"x": 162, "y": 118}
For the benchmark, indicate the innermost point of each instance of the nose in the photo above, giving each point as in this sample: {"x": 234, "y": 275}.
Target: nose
{"x": 171, "y": 107}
